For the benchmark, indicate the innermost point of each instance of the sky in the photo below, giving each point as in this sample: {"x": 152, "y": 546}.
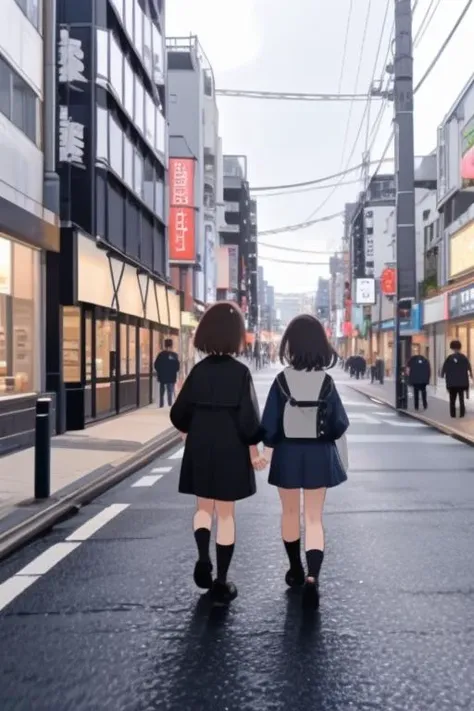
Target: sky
{"x": 276, "y": 45}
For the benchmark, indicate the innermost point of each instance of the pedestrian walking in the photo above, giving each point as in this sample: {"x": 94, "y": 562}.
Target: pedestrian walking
{"x": 167, "y": 367}
{"x": 304, "y": 424}
{"x": 419, "y": 376}
{"x": 217, "y": 410}
{"x": 257, "y": 354}
{"x": 457, "y": 371}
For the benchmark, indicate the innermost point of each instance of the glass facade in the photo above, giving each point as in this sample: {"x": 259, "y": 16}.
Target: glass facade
{"x": 20, "y": 350}
{"x": 113, "y": 355}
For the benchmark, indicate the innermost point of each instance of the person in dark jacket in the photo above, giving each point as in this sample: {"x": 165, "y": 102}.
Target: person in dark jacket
{"x": 218, "y": 411}
{"x": 419, "y": 376}
{"x": 313, "y": 465}
{"x": 457, "y": 371}
{"x": 167, "y": 368}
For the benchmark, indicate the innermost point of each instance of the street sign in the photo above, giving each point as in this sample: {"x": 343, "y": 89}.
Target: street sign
{"x": 365, "y": 292}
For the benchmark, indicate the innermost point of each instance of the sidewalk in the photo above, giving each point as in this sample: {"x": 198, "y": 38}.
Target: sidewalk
{"x": 437, "y": 414}
{"x": 75, "y": 455}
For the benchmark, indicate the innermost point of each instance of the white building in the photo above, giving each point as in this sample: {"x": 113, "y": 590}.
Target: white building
{"x": 28, "y": 229}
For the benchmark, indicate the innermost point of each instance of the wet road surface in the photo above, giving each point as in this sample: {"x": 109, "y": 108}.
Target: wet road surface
{"x": 102, "y": 613}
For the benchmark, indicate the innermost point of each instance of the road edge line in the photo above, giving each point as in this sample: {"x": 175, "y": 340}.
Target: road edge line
{"x": 445, "y": 429}
{"x": 42, "y": 521}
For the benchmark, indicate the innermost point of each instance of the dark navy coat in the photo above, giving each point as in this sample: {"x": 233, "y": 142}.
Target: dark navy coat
{"x": 457, "y": 369}
{"x": 298, "y": 463}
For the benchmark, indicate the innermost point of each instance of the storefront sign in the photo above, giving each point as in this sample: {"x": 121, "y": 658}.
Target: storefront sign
{"x": 388, "y": 281}
{"x": 435, "y": 309}
{"x": 369, "y": 243}
{"x": 411, "y": 325}
{"x": 233, "y": 267}
{"x": 461, "y": 302}
{"x": 461, "y": 251}
{"x": 182, "y": 237}
{"x": 365, "y": 291}
{"x": 5, "y": 266}
{"x": 467, "y": 155}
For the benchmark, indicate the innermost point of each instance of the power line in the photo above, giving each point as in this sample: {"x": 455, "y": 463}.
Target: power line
{"x": 289, "y": 262}
{"x": 306, "y": 190}
{"x": 300, "y": 225}
{"x": 304, "y": 184}
{"x": 296, "y": 249}
{"x": 428, "y": 72}
{"x": 288, "y": 96}
{"x": 346, "y": 39}
{"x": 444, "y": 45}
{"x": 423, "y": 27}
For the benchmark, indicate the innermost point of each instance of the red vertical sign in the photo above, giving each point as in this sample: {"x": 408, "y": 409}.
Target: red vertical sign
{"x": 182, "y": 219}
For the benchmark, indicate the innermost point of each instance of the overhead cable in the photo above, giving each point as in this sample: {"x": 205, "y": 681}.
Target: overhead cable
{"x": 306, "y": 190}
{"x": 290, "y": 262}
{"x": 295, "y": 249}
{"x": 300, "y": 225}
{"x": 426, "y": 21}
{"x": 289, "y": 95}
{"x": 428, "y": 72}
{"x": 346, "y": 40}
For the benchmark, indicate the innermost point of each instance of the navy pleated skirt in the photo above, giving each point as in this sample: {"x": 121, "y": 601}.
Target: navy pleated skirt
{"x": 306, "y": 465}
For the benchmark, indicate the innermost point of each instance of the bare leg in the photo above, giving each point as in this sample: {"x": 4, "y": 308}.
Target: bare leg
{"x": 202, "y": 523}
{"x": 314, "y": 543}
{"x": 290, "y": 533}
{"x": 224, "y": 591}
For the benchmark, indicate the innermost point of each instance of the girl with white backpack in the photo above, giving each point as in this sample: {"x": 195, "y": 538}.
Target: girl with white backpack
{"x": 304, "y": 422}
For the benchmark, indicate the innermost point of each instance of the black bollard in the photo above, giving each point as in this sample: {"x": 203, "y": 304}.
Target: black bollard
{"x": 43, "y": 449}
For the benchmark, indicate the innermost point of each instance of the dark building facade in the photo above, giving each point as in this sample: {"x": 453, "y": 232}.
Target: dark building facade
{"x": 323, "y": 300}
{"x": 240, "y": 231}
{"x": 109, "y": 302}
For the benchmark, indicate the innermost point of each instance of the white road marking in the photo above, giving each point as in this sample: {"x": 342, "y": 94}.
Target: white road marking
{"x": 97, "y": 522}
{"x": 148, "y": 480}
{"x": 47, "y": 560}
{"x": 405, "y": 424}
{"x": 178, "y": 454}
{"x": 389, "y": 413}
{"x": 161, "y": 470}
{"x": 400, "y": 439}
{"x": 359, "y": 417}
{"x": 13, "y": 587}
{"x": 357, "y": 403}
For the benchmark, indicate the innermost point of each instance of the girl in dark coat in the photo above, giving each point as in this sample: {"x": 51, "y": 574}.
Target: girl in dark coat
{"x": 218, "y": 411}
{"x": 302, "y": 461}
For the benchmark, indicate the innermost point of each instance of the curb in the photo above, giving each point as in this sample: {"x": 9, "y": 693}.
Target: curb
{"x": 445, "y": 429}
{"x": 43, "y": 516}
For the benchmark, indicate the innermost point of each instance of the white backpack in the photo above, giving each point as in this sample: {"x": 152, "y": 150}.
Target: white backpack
{"x": 305, "y": 412}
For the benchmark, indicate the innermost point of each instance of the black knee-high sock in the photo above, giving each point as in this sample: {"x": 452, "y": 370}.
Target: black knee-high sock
{"x": 293, "y": 553}
{"x": 224, "y": 556}
{"x": 314, "y": 559}
{"x": 203, "y": 538}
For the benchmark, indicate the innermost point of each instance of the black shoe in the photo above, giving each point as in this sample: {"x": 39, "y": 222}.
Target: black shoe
{"x": 311, "y": 595}
{"x": 295, "y": 578}
{"x": 223, "y": 593}
{"x": 203, "y": 574}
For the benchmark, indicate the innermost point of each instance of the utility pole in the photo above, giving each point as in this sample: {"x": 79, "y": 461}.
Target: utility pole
{"x": 405, "y": 189}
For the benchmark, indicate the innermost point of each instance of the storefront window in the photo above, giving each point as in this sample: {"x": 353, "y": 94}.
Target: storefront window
{"x": 123, "y": 349}
{"x": 19, "y": 290}
{"x": 88, "y": 348}
{"x": 105, "y": 346}
{"x": 132, "y": 350}
{"x": 144, "y": 351}
{"x": 72, "y": 344}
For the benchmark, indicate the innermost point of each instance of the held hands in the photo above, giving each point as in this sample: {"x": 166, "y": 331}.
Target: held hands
{"x": 260, "y": 460}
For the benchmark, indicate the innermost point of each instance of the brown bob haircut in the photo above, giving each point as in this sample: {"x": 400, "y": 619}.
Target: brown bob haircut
{"x": 305, "y": 345}
{"x": 221, "y": 330}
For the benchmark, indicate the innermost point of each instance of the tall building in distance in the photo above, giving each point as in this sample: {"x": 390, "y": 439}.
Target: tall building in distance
{"x": 29, "y": 206}
{"x": 195, "y": 150}
{"x": 238, "y": 240}
{"x": 322, "y": 301}
{"x": 290, "y": 305}
{"x": 266, "y": 304}
{"x": 109, "y": 300}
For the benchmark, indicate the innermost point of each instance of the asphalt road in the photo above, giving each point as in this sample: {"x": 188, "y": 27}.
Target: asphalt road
{"x": 102, "y": 613}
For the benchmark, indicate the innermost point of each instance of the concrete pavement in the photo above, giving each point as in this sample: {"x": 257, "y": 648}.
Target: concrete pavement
{"x": 102, "y": 613}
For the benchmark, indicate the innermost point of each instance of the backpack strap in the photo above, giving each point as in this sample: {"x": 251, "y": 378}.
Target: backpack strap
{"x": 285, "y": 390}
